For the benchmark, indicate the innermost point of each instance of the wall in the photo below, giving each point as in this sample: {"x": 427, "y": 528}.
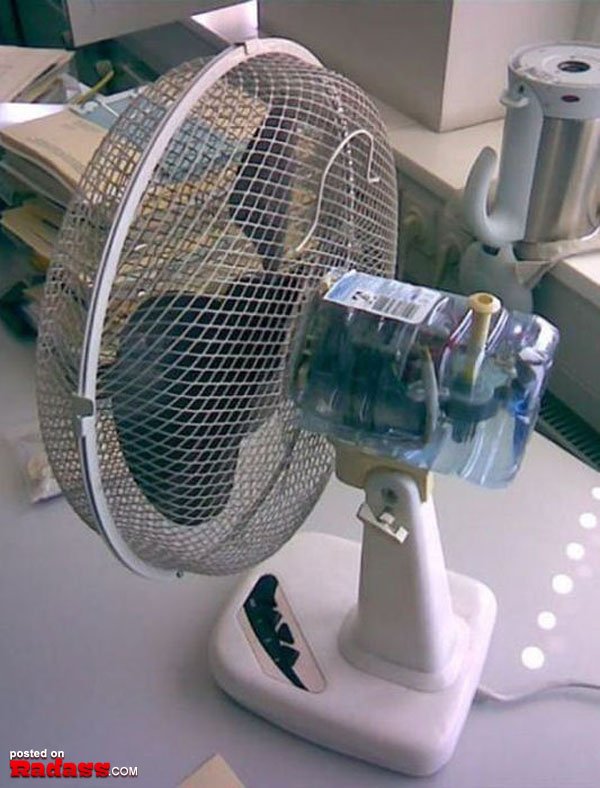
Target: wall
{"x": 483, "y": 34}
{"x": 395, "y": 50}
{"x": 443, "y": 62}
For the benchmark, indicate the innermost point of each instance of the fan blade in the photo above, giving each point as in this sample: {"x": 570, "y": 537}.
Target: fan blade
{"x": 194, "y": 375}
{"x": 259, "y": 202}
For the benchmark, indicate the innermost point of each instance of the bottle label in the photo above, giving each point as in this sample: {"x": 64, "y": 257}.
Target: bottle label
{"x": 385, "y": 297}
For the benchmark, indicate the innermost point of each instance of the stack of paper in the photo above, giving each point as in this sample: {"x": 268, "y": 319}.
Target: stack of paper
{"x": 36, "y": 224}
{"x": 30, "y": 74}
{"x": 59, "y": 145}
{"x": 41, "y": 163}
{"x": 49, "y": 155}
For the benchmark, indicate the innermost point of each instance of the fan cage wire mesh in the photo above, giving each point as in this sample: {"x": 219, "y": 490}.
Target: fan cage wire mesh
{"x": 201, "y": 461}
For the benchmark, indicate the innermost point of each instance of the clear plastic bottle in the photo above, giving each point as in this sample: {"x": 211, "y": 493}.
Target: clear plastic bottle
{"x": 433, "y": 379}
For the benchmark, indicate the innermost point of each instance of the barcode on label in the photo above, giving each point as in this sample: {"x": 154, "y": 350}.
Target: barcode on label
{"x": 396, "y": 307}
{"x": 385, "y": 297}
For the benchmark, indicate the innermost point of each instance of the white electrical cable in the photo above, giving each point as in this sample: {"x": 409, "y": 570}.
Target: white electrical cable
{"x": 487, "y": 694}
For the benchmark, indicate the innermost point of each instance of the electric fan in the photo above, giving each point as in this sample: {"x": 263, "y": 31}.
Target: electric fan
{"x": 195, "y": 286}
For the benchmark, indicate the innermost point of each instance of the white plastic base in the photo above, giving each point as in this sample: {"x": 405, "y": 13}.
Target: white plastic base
{"x": 356, "y": 713}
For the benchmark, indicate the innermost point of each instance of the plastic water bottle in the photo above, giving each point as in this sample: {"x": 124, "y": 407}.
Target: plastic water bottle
{"x": 432, "y": 379}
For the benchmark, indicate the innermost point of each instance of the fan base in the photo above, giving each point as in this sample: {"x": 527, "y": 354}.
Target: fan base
{"x": 342, "y": 708}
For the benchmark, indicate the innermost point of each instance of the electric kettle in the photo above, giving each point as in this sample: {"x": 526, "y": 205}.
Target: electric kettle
{"x": 547, "y": 196}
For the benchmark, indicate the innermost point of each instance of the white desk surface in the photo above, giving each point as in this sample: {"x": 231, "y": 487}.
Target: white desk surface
{"x": 108, "y": 666}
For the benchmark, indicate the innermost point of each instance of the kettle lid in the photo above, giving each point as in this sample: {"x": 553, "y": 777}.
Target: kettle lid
{"x": 565, "y": 76}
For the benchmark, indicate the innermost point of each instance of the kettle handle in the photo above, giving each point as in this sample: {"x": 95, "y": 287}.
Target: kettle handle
{"x": 507, "y": 220}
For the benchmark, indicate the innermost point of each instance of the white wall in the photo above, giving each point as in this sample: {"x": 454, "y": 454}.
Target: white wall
{"x": 396, "y": 49}
{"x": 588, "y": 23}
{"x": 483, "y": 34}
{"x": 442, "y": 62}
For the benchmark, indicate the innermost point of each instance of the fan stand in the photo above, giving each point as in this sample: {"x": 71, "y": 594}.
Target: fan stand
{"x": 389, "y": 679}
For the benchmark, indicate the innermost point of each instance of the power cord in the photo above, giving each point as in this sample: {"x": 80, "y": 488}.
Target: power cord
{"x": 106, "y": 72}
{"x": 486, "y": 694}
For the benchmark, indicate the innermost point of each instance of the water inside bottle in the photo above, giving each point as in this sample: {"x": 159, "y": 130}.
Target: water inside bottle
{"x": 391, "y": 367}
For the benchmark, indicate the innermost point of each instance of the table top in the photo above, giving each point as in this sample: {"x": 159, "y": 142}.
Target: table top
{"x": 108, "y": 666}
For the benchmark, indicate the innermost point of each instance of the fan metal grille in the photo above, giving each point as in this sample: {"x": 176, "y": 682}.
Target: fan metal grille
{"x": 201, "y": 461}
